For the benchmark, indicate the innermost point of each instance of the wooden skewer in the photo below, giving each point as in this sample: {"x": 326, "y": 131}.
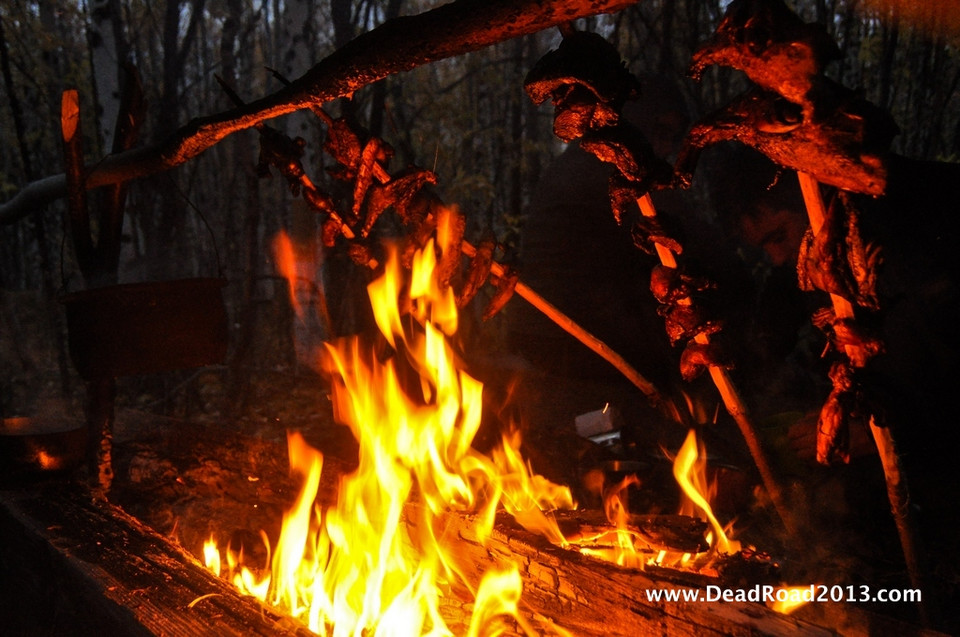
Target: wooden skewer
{"x": 730, "y": 396}
{"x": 574, "y": 329}
{"x": 531, "y": 296}
{"x": 897, "y": 490}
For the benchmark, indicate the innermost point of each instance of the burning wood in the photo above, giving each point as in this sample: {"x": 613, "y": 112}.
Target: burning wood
{"x": 384, "y": 549}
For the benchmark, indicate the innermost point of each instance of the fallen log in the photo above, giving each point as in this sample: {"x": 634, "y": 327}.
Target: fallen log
{"x": 72, "y": 565}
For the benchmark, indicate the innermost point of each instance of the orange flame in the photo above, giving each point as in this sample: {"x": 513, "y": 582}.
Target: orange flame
{"x": 286, "y": 258}
{"x": 689, "y": 470}
{"x": 374, "y": 562}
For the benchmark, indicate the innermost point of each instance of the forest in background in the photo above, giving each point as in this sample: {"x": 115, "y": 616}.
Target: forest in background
{"x": 467, "y": 118}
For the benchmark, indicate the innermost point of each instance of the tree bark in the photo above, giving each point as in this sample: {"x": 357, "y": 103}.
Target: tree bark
{"x": 106, "y": 59}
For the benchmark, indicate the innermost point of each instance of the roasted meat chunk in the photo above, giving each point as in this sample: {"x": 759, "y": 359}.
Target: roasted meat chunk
{"x": 506, "y": 283}
{"x": 772, "y": 45}
{"x": 698, "y": 356}
{"x": 844, "y": 146}
{"x": 399, "y": 193}
{"x": 647, "y": 233}
{"x": 838, "y": 261}
{"x": 669, "y": 285}
{"x": 584, "y": 68}
{"x": 628, "y": 150}
{"x": 478, "y": 271}
{"x": 833, "y": 425}
{"x": 687, "y": 321}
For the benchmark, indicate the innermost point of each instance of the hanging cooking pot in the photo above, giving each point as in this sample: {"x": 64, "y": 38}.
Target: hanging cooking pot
{"x": 142, "y": 328}
{"x": 38, "y": 446}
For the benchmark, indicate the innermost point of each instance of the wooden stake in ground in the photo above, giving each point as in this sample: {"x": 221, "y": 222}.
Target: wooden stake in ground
{"x": 731, "y": 398}
{"x": 100, "y": 392}
{"x": 897, "y": 490}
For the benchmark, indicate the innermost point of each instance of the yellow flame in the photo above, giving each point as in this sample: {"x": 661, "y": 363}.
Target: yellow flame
{"x": 375, "y": 563}
{"x": 790, "y": 598}
{"x": 618, "y": 514}
{"x": 689, "y": 470}
{"x": 211, "y": 556}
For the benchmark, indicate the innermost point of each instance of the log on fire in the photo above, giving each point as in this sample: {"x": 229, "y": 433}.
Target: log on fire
{"x": 72, "y": 565}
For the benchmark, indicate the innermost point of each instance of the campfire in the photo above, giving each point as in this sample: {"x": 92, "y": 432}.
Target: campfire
{"x": 382, "y": 553}
{"x": 440, "y": 522}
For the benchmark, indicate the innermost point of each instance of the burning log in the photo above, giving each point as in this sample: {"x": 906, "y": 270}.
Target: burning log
{"x": 76, "y": 566}
{"x": 73, "y": 565}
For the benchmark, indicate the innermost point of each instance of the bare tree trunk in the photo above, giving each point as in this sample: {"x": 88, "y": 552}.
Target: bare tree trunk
{"x": 167, "y": 250}
{"x": 665, "y": 58}
{"x": 891, "y": 37}
{"x": 55, "y": 322}
{"x": 378, "y": 102}
{"x": 106, "y": 57}
{"x": 243, "y": 222}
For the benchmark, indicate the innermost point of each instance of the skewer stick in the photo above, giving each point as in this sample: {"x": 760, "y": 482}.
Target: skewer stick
{"x": 554, "y": 314}
{"x": 730, "y": 396}
{"x": 549, "y": 310}
{"x": 897, "y": 489}
{"x": 574, "y": 329}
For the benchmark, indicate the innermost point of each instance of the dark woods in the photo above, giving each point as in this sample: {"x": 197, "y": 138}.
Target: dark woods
{"x": 465, "y": 118}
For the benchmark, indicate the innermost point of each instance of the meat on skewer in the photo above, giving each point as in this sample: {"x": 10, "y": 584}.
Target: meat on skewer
{"x": 844, "y": 147}
{"x": 773, "y": 46}
{"x": 587, "y": 82}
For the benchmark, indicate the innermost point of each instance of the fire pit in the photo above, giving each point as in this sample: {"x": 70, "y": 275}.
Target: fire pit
{"x": 403, "y": 506}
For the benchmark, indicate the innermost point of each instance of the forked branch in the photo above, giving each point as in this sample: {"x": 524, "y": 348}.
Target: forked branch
{"x": 398, "y": 45}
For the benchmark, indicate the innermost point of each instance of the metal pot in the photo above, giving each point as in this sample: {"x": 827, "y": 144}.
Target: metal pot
{"x": 30, "y": 446}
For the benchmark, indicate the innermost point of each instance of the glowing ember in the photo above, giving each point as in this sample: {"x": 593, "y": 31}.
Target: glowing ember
{"x": 375, "y": 561}
{"x": 791, "y": 598}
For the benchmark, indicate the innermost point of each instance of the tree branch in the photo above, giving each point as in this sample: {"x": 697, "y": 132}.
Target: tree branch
{"x": 395, "y": 46}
